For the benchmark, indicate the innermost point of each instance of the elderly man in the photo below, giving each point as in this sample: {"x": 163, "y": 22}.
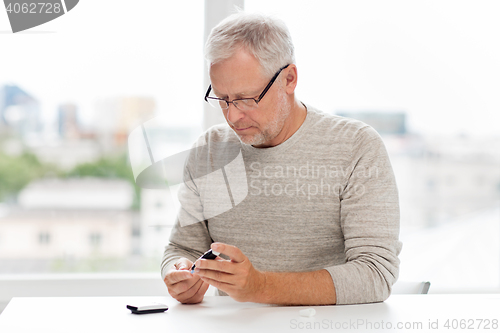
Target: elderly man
{"x": 320, "y": 223}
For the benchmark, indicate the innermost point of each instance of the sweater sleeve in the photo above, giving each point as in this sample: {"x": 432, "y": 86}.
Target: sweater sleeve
{"x": 190, "y": 237}
{"x": 369, "y": 219}
{"x": 189, "y": 242}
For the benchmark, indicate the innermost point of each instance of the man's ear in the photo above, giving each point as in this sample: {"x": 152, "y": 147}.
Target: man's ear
{"x": 291, "y": 77}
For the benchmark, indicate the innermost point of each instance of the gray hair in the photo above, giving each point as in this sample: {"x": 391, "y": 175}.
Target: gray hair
{"x": 265, "y": 37}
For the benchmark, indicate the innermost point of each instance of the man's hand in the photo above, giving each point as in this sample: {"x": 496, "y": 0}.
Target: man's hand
{"x": 182, "y": 285}
{"x": 237, "y": 276}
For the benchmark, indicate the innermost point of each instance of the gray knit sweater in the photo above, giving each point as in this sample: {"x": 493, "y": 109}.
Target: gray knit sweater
{"x": 326, "y": 198}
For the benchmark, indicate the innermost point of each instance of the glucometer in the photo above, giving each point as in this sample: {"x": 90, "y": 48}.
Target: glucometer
{"x": 149, "y": 308}
{"x": 211, "y": 255}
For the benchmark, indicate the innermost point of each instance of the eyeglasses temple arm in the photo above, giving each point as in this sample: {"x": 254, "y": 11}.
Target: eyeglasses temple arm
{"x": 270, "y": 83}
{"x": 208, "y": 92}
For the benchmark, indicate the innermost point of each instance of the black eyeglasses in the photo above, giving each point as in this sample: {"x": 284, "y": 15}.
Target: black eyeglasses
{"x": 244, "y": 104}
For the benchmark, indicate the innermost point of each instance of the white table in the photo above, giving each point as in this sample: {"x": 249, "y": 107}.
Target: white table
{"x": 422, "y": 313}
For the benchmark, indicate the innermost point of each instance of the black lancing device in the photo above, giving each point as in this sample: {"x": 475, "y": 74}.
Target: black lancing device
{"x": 211, "y": 255}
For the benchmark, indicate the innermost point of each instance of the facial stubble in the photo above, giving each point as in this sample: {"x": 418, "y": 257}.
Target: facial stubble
{"x": 274, "y": 127}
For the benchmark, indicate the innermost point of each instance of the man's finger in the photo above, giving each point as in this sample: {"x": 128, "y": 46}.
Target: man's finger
{"x": 187, "y": 291}
{"x": 232, "y": 251}
{"x": 183, "y": 264}
{"x": 216, "y": 275}
{"x": 216, "y": 265}
{"x": 178, "y": 276}
{"x": 199, "y": 294}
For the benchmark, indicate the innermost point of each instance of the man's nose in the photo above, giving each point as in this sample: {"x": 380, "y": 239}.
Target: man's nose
{"x": 234, "y": 114}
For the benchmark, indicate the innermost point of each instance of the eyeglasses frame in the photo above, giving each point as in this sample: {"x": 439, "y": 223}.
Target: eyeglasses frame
{"x": 261, "y": 96}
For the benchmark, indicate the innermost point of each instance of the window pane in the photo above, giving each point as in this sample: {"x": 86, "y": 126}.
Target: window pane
{"x": 68, "y": 100}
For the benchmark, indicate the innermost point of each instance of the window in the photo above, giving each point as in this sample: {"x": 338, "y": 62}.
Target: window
{"x": 95, "y": 239}
{"x": 44, "y": 238}
{"x": 64, "y": 122}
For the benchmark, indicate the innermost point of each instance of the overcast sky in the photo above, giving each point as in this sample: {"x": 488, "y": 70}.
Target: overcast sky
{"x": 436, "y": 60}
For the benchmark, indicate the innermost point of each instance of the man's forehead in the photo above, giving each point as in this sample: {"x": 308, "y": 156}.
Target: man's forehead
{"x": 237, "y": 82}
